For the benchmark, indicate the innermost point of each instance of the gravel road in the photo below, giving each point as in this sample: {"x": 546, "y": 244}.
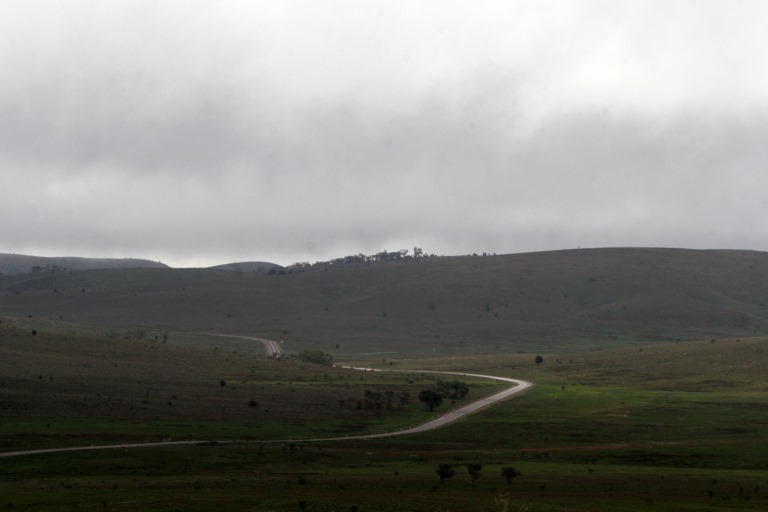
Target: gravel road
{"x": 273, "y": 348}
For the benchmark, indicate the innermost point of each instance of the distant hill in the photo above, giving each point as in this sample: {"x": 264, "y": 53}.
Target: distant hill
{"x": 23, "y": 264}
{"x": 248, "y": 266}
{"x": 546, "y": 301}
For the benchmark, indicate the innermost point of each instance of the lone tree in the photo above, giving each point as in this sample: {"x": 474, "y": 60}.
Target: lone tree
{"x": 431, "y": 398}
{"x": 509, "y": 473}
{"x": 539, "y": 360}
{"x": 445, "y": 471}
{"x": 474, "y": 471}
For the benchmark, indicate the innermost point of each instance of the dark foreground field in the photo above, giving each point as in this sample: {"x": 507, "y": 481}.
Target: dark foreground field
{"x": 679, "y": 426}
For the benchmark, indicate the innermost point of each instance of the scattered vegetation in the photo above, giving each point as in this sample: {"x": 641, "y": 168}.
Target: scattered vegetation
{"x": 453, "y": 390}
{"x": 539, "y": 303}
{"x": 609, "y": 429}
{"x": 362, "y": 259}
{"x": 648, "y": 421}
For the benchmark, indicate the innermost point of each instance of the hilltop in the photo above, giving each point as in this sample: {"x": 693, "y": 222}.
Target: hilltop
{"x": 23, "y": 264}
{"x": 247, "y": 266}
{"x": 546, "y": 301}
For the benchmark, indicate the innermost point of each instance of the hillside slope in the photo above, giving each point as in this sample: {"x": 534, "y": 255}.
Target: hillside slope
{"x": 23, "y": 264}
{"x": 247, "y": 266}
{"x": 576, "y": 299}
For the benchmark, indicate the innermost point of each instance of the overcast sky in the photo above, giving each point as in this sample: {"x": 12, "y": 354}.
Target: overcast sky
{"x": 205, "y": 132}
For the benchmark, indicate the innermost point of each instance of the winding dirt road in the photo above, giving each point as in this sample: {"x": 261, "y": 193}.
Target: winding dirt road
{"x": 519, "y": 387}
{"x": 273, "y": 348}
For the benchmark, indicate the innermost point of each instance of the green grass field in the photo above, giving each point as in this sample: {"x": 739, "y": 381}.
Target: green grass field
{"x": 668, "y": 427}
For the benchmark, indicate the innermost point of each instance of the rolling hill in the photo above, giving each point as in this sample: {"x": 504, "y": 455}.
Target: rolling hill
{"x": 547, "y": 301}
{"x": 248, "y": 266}
{"x": 23, "y": 264}
{"x": 99, "y": 357}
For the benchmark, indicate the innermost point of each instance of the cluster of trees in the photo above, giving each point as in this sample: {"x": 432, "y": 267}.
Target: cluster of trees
{"x": 451, "y": 389}
{"x": 445, "y": 471}
{"x": 48, "y": 268}
{"x": 315, "y": 357}
{"x": 363, "y": 259}
{"x": 377, "y": 400}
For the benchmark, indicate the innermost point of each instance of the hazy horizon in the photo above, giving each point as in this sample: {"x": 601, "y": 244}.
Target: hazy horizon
{"x": 201, "y": 133}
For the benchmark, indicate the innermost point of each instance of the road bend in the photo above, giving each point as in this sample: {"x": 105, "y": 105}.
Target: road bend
{"x": 519, "y": 386}
{"x": 273, "y": 348}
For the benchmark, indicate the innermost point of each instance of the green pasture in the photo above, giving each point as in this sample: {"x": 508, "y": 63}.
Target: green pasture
{"x": 670, "y": 427}
{"x": 377, "y": 476}
{"x": 578, "y": 448}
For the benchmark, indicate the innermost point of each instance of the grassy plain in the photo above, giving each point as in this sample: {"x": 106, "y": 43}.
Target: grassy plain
{"x": 61, "y": 386}
{"x": 679, "y": 426}
{"x": 629, "y": 412}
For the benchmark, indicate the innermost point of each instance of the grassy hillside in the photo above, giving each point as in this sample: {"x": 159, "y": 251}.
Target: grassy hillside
{"x": 23, "y": 264}
{"x": 551, "y": 301}
{"x": 248, "y": 266}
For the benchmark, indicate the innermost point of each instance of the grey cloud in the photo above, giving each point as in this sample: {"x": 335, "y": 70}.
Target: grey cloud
{"x": 584, "y": 179}
{"x": 252, "y": 139}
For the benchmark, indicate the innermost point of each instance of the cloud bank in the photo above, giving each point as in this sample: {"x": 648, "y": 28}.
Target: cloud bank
{"x": 203, "y": 132}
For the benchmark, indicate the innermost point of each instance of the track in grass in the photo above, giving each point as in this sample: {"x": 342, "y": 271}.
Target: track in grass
{"x": 519, "y": 387}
